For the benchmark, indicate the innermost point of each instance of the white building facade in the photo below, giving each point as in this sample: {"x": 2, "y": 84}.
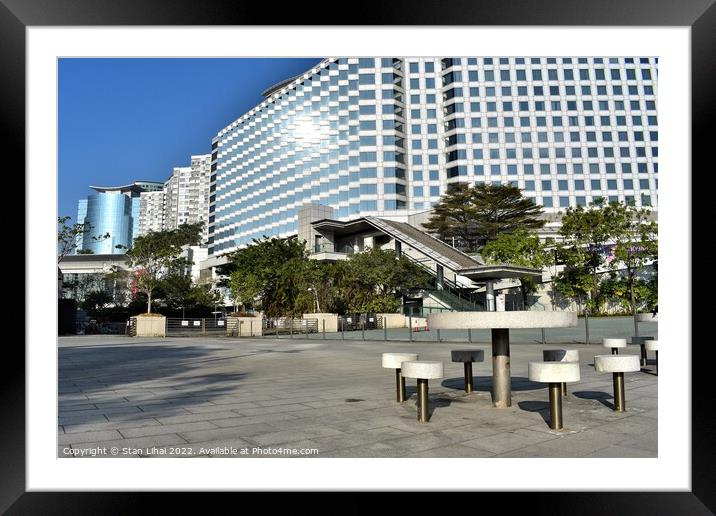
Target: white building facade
{"x": 186, "y": 195}
{"x": 151, "y": 211}
{"x": 387, "y": 136}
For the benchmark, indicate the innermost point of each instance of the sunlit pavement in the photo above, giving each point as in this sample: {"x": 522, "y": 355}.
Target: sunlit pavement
{"x": 187, "y": 397}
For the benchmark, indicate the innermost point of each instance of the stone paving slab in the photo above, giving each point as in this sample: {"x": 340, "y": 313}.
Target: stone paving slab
{"x": 268, "y": 397}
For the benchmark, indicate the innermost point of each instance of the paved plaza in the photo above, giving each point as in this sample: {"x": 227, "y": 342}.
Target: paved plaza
{"x": 266, "y": 397}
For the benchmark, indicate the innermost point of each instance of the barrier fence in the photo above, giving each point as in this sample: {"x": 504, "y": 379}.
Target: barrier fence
{"x": 192, "y": 327}
{"x": 370, "y": 327}
{"x": 285, "y": 326}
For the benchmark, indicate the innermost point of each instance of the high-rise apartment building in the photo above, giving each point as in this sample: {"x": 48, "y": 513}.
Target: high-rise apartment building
{"x": 114, "y": 211}
{"x": 151, "y": 211}
{"x": 387, "y": 136}
{"x": 186, "y": 195}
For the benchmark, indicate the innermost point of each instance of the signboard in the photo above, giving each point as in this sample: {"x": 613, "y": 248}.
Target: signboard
{"x": 185, "y": 323}
{"x": 220, "y": 323}
{"x": 197, "y": 323}
{"x": 371, "y": 319}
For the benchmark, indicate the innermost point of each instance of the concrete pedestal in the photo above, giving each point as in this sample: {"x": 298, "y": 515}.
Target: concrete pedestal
{"x": 154, "y": 325}
{"x": 500, "y": 323}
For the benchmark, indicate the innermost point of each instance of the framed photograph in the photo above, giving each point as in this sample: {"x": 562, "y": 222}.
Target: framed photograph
{"x": 571, "y": 105}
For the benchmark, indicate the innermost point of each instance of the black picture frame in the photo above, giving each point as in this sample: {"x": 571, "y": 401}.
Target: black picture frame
{"x": 700, "y": 15}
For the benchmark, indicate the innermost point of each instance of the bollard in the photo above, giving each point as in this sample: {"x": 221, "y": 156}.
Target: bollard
{"x": 400, "y": 386}
{"x": 422, "y": 400}
{"x": 469, "y": 335}
{"x": 468, "y": 377}
{"x": 343, "y": 330}
{"x": 555, "y": 406}
{"x": 410, "y": 328}
{"x": 544, "y": 340}
{"x": 618, "y": 379}
{"x": 251, "y": 328}
{"x": 324, "y": 329}
{"x": 438, "y": 332}
{"x": 385, "y": 330}
{"x": 240, "y": 323}
{"x": 362, "y": 330}
{"x": 290, "y": 329}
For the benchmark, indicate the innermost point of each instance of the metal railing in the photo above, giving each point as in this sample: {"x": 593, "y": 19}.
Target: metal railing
{"x": 194, "y": 327}
{"x": 287, "y": 326}
{"x": 450, "y": 293}
{"x": 328, "y": 247}
{"x": 132, "y": 327}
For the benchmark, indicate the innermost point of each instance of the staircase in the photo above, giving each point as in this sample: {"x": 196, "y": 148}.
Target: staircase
{"x": 452, "y": 295}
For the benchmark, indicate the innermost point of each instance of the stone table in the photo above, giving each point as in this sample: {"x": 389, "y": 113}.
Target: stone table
{"x": 500, "y": 323}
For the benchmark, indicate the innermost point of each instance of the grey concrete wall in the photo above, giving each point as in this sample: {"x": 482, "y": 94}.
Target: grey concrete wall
{"x": 310, "y": 213}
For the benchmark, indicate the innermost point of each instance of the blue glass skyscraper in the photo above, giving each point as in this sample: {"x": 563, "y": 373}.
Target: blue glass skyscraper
{"x": 113, "y": 211}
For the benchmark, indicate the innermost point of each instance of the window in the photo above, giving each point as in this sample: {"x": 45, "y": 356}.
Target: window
{"x": 368, "y": 188}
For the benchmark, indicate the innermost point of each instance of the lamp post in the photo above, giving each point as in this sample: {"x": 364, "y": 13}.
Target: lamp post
{"x": 315, "y": 293}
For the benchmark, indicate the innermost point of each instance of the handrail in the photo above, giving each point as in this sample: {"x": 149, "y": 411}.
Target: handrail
{"x": 453, "y": 289}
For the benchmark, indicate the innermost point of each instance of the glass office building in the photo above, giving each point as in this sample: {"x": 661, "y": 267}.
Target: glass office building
{"x": 114, "y": 211}
{"x": 387, "y": 136}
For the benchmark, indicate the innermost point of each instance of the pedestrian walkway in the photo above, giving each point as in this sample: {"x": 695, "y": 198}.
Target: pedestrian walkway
{"x": 327, "y": 398}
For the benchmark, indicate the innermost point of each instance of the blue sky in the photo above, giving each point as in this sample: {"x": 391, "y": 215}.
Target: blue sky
{"x": 121, "y": 120}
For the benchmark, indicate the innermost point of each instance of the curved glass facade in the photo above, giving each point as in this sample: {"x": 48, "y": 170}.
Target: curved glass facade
{"x": 108, "y": 213}
{"x": 114, "y": 211}
{"x": 386, "y": 136}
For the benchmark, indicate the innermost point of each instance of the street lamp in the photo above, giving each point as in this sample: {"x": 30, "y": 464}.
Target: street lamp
{"x": 315, "y": 292}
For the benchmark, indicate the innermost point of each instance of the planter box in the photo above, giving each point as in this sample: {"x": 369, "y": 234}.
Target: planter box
{"x": 394, "y": 320}
{"x": 244, "y": 326}
{"x": 330, "y": 320}
{"x": 151, "y": 325}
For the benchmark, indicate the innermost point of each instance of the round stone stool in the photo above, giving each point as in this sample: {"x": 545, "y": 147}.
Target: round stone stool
{"x": 614, "y": 344}
{"x": 467, "y": 357}
{"x": 393, "y": 361}
{"x": 422, "y": 371}
{"x": 561, "y": 355}
{"x": 641, "y": 341}
{"x": 555, "y": 374}
{"x": 617, "y": 365}
{"x": 653, "y": 345}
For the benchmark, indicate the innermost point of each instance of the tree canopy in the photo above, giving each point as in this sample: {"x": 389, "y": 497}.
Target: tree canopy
{"x": 519, "y": 247}
{"x": 600, "y": 243}
{"x": 478, "y": 215}
{"x": 277, "y": 276}
{"x": 157, "y": 255}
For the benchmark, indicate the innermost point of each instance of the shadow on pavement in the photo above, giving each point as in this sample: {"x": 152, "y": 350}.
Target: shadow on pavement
{"x": 484, "y": 384}
{"x": 171, "y": 378}
{"x": 600, "y": 396}
{"x": 536, "y": 406}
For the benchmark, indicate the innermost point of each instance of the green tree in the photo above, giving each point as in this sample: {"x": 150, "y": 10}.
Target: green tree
{"x": 635, "y": 245}
{"x": 478, "y": 215}
{"x": 268, "y": 273}
{"x": 583, "y": 250}
{"x": 375, "y": 277}
{"x": 519, "y": 247}
{"x": 96, "y": 301}
{"x": 68, "y": 234}
{"x": 157, "y": 254}
{"x": 455, "y": 216}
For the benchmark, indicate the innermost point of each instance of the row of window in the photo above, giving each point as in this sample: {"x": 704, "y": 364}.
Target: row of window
{"x": 548, "y": 169}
